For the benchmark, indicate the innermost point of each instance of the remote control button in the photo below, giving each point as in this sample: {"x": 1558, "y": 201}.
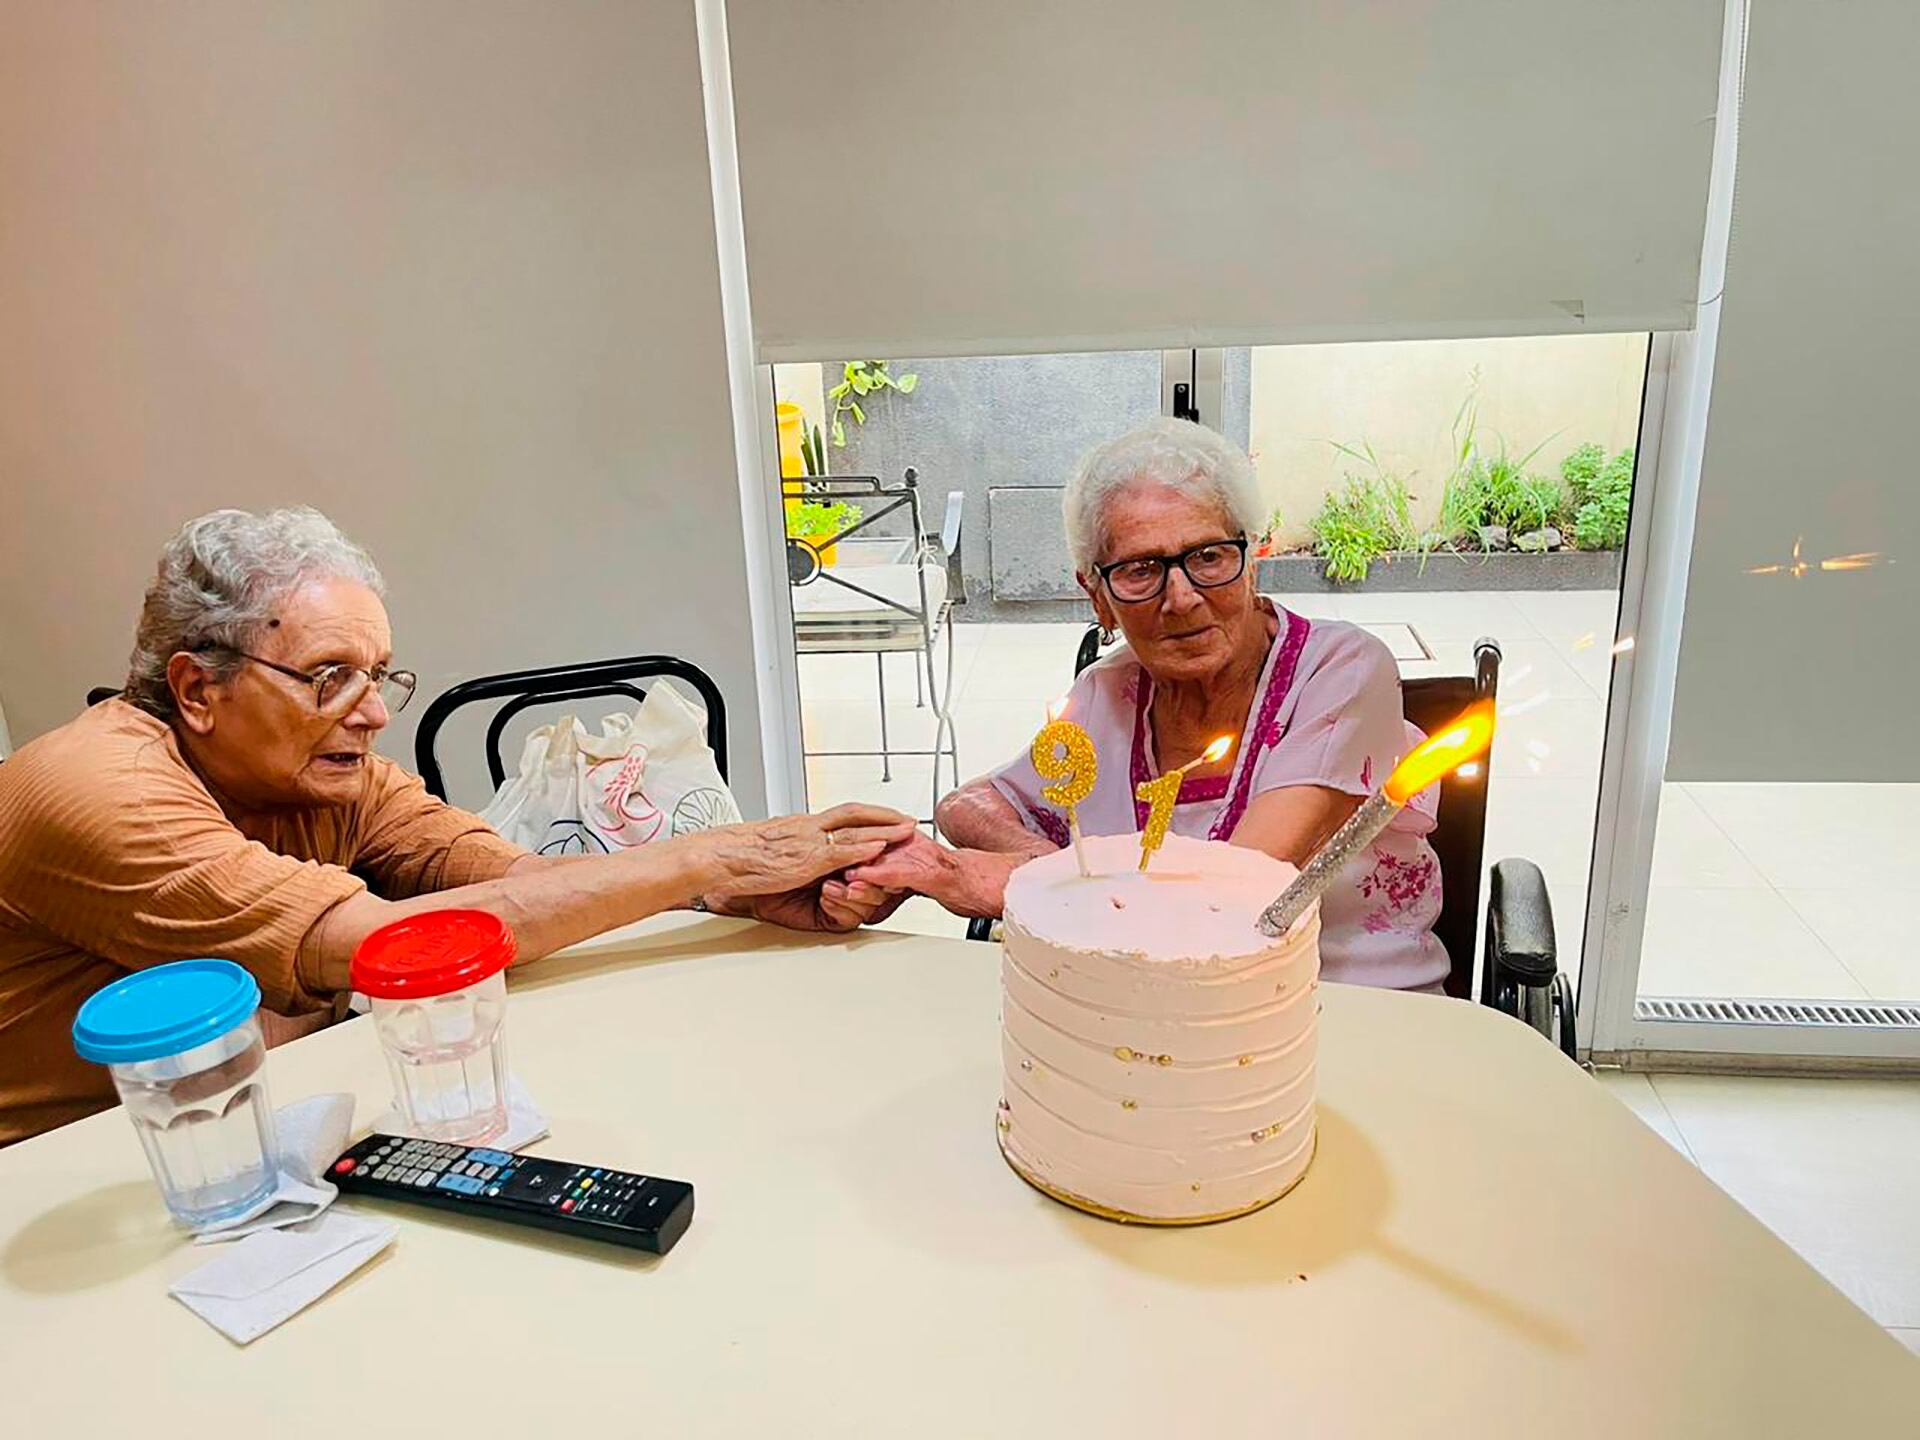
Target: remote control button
{"x": 447, "y": 1182}
{"x": 566, "y": 1207}
{"x": 424, "y": 1179}
{"x": 488, "y": 1172}
{"x": 343, "y": 1167}
{"x": 598, "y": 1173}
{"x": 382, "y": 1172}
{"x": 587, "y": 1184}
{"x": 492, "y": 1190}
{"x": 553, "y": 1199}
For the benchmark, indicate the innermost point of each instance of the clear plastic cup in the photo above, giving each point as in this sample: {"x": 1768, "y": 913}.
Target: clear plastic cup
{"x": 184, "y": 1049}
{"x": 438, "y": 989}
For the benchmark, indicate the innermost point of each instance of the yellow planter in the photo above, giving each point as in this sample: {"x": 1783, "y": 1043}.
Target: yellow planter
{"x": 792, "y": 426}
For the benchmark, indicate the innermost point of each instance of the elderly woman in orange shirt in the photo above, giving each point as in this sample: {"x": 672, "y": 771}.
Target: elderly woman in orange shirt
{"x": 229, "y": 803}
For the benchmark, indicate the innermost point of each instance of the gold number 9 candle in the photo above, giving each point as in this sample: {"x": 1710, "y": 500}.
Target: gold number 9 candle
{"x": 1064, "y": 754}
{"x": 1162, "y": 794}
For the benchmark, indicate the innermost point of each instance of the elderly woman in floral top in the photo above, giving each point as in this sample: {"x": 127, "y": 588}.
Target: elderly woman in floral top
{"x": 1158, "y": 522}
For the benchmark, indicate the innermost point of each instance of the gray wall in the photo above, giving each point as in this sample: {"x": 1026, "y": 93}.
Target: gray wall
{"x": 1811, "y": 429}
{"x": 446, "y": 270}
{"x": 1014, "y": 423}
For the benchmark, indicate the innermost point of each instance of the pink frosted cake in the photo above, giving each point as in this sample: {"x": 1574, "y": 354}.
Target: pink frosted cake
{"x": 1159, "y": 1049}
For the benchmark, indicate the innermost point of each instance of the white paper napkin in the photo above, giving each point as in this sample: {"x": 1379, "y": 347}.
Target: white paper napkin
{"x": 526, "y": 1121}
{"x": 311, "y": 1135}
{"x": 274, "y": 1274}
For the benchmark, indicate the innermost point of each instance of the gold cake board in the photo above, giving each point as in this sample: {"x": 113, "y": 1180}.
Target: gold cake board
{"x": 1106, "y": 1212}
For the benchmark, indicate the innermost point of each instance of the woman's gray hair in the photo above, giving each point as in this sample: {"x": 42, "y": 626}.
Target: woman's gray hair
{"x": 219, "y": 581}
{"x": 1176, "y": 454}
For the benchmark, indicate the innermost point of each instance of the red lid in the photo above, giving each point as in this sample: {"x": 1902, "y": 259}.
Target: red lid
{"x": 432, "y": 954}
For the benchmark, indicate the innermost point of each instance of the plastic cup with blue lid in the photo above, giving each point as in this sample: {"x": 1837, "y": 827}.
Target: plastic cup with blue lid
{"x": 184, "y": 1049}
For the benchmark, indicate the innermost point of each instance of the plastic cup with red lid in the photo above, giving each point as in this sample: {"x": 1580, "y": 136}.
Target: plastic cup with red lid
{"x": 437, "y": 984}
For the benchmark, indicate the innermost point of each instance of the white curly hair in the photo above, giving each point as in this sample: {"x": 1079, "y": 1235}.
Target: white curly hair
{"x": 1176, "y": 454}
{"x": 218, "y": 583}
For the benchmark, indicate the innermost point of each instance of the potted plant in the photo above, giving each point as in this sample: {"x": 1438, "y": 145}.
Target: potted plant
{"x": 817, "y": 522}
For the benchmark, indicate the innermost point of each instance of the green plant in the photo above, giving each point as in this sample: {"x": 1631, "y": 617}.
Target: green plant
{"x": 1602, "y": 497}
{"x": 1487, "y": 490}
{"x": 860, "y": 379}
{"x": 1580, "y": 470}
{"x": 813, "y": 455}
{"x": 1359, "y": 523}
{"x": 821, "y": 520}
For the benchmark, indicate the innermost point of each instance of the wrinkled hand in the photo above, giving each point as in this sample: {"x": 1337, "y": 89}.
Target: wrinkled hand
{"x": 967, "y": 882}
{"x": 831, "y": 905}
{"x": 793, "y": 853}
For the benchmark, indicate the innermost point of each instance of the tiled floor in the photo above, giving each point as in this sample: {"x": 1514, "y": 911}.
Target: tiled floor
{"x": 1831, "y": 1166}
{"x": 1753, "y": 892}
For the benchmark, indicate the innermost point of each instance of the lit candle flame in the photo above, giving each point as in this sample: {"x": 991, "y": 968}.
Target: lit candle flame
{"x": 1217, "y": 750}
{"x": 1467, "y": 738}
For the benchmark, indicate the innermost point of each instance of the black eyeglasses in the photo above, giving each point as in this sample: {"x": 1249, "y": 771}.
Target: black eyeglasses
{"x": 338, "y": 688}
{"x": 1218, "y": 562}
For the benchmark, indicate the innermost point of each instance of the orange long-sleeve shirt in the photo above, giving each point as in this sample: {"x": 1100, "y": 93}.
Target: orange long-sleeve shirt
{"x": 115, "y": 855}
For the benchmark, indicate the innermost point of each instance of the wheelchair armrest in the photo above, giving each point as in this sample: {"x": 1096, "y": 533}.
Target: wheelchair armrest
{"x": 979, "y": 928}
{"x": 1520, "y": 924}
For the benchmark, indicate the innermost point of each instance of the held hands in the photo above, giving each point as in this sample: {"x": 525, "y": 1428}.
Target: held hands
{"x": 782, "y": 870}
{"x": 966, "y": 882}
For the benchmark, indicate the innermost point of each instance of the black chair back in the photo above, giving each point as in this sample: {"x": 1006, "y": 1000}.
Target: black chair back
{"x": 1459, "y": 841}
{"x": 555, "y": 685}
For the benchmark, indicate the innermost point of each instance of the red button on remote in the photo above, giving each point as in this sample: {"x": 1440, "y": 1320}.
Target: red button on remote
{"x": 342, "y": 1167}
{"x": 567, "y": 1205}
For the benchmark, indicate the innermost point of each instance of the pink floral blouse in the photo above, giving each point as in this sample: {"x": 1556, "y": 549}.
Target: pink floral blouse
{"x": 1327, "y": 711}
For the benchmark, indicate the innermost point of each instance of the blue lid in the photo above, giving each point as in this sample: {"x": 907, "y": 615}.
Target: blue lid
{"x": 164, "y": 1011}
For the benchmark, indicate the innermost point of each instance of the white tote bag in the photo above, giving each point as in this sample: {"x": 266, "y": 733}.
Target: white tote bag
{"x": 645, "y": 777}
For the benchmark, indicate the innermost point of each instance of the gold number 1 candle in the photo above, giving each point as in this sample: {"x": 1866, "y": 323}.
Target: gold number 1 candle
{"x": 1064, "y": 754}
{"x": 1160, "y": 796}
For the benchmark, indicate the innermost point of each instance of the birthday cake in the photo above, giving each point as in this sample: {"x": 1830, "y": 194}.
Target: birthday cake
{"x": 1159, "y": 1048}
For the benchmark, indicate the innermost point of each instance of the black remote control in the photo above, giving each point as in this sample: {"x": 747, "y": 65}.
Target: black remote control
{"x": 641, "y": 1211}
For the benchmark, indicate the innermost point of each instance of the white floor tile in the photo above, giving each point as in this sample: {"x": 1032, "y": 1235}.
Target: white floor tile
{"x": 1636, "y": 1092}
{"x": 1554, "y": 739}
{"x": 1061, "y": 638}
{"x": 1401, "y": 641}
{"x": 1831, "y": 1166}
{"x": 1316, "y": 606}
{"x": 1034, "y": 674}
{"x": 1690, "y": 850}
{"x": 1549, "y": 822}
{"x": 1570, "y": 618}
{"x": 836, "y": 781}
{"x": 1876, "y": 941}
{"x": 1816, "y": 836}
{"x": 1444, "y": 614}
{"x": 1528, "y": 667}
{"x": 1736, "y": 942}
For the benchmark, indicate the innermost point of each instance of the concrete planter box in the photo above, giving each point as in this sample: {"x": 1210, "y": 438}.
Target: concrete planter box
{"x": 1445, "y": 570}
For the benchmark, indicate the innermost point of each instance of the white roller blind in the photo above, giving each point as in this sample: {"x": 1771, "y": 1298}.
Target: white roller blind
{"x": 1005, "y": 175}
{"x": 1797, "y": 659}
{"x": 444, "y": 269}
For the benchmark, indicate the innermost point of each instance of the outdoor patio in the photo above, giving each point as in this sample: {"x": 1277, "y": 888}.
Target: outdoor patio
{"x": 1752, "y": 894}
